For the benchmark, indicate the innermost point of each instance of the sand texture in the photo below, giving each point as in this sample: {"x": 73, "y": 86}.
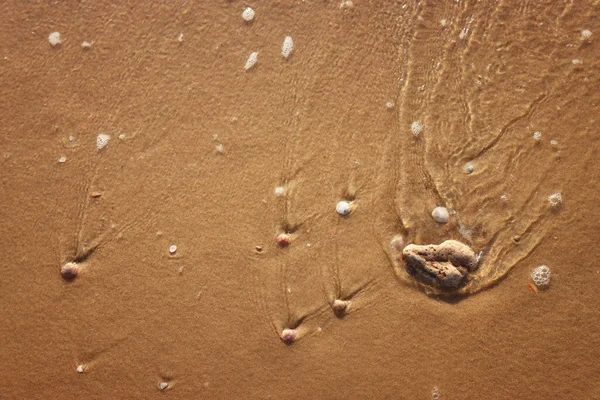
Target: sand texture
{"x": 194, "y": 206}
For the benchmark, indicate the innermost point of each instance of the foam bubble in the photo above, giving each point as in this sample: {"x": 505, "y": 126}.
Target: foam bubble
{"x": 541, "y": 276}
{"x": 555, "y": 199}
{"x": 288, "y": 47}
{"x": 416, "y": 127}
{"x": 251, "y": 61}
{"x": 54, "y": 39}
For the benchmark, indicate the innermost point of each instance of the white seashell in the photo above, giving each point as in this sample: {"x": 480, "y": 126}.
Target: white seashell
{"x": 252, "y": 59}
{"x": 288, "y": 46}
{"x": 343, "y": 208}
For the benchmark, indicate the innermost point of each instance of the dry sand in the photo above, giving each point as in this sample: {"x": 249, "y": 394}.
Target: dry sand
{"x": 396, "y": 107}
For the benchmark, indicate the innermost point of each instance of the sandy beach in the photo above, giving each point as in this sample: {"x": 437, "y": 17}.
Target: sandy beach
{"x": 201, "y": 201}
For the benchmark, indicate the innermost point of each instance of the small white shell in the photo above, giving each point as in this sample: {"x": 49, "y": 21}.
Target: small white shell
{"x": 288, "y": 46}
{"x": 252, "y": 59}
{"x": 343, "y": 208}
{"x": 440, "y": 214}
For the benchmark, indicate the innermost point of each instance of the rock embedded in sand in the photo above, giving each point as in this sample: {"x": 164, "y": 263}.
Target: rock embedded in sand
{"x": 69, "y": 271}
{"x": 446, "y": 265}
{"x": 251, "y": 61}
{"x": 102, "y": 141}
{"x": 80, "y": 369}
{"x": 288, "y": 47}
{"x": 441, "y": 215}
{"x": 163, "y": 386}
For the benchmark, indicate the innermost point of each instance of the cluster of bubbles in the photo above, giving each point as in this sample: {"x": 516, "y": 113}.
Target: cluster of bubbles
{"x": 541, "y": 276}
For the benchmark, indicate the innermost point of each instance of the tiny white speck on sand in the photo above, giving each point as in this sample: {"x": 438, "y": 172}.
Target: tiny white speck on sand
{"x": 102, "y": 141}
{"x": 586, "y": 34}
{"x": 537, "y": 136}
{"x": 180, "y": 38}
{"x": 62, "y": 160}
{"x": 416, "y": 127}
{"x": 172, "y": 249}
{"x": 288, "y": 47}
{"x": 279, "y": 191}
{"x": 80, "y": 369}
{"x": 86, "y": 45}
{"x": 163, "y": 385}
{"x": 389, "y": 104}
{"x": 220, "y": 149}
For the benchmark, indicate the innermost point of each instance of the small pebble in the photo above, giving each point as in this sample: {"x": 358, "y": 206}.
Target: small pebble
{"x": 172, "y": 249}
{"x": 69, "y": 271}
{"x": 62, "y": 160}
{"x": 346, "y": 4}
{"x": 441, "y": 215}
{"x": 389, "y": 104}
{"x": 86, "y": 45}
{"x": 279, "y": 191}
{"x": 122, "y": 136}
{"x": 102, "y": 141}
{"x": 54, "y": 39}
{"x": 553, "y": 142}
{"x": 71, "y": 138}
{"x": 288, "y": 336}
{"x": 397, "y": 243}
{"x": 248, "y": 14}
{"x": 220, "y": 149}
{"x": 340, "y": 307}
{"x": 80, "y": 369}
{"x": 180, "y": 38}
{"x": 469, "y": 168}
{"x": 343, "y": 208}
{"x": 163, "y": 385}
{"x": 283, "y": 239}
{"x": 537, "y": 136}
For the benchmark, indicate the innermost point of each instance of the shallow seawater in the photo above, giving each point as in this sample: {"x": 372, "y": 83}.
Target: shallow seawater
{"x": 234, "y": 194}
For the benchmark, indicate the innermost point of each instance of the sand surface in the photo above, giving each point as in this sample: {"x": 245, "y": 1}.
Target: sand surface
{"x": 387, "y": 105}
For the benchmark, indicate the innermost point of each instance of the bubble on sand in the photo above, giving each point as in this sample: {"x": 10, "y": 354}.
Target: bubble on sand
{"x": 541, "y": 276}
{"x": 102, "y": 141}
{"x": 251, "y": 61}
{"x": 288, "y": 46}
{"x": 555, "y": 199}
{"x": 80, "y": 369}
{"x": 163, "y": 386}
{"x": 62, "y": 160}
{"x": 248, "y": 14}
{"x": 586, "y": 34}
{"x": 344, "y": 208}
{"x": 441, "y": 215}
{"x": 86, "y": 45}
{"x": 279, "y": 191}
{"x": 173, "y": 249}
{"x": 537, "y": 136}
{"x": 416, "y": 127}
{"x": 54, "y": 39}
{"x": 69, "y": 271}
{"x": 288, "y": 336}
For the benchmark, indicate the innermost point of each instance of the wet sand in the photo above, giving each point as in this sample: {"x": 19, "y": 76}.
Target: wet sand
{"x": 395, "y": 107}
